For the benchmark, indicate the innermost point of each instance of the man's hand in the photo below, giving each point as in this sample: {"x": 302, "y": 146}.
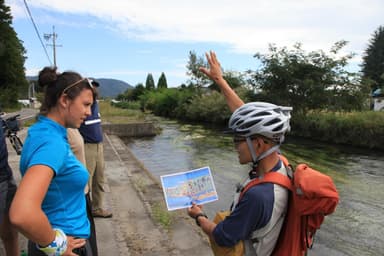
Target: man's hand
{"x": 214, "y": 72}
{"x": 194, "y": 210}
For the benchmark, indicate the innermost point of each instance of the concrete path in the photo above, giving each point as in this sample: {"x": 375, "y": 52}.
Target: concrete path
{"x": 135, "y": 199}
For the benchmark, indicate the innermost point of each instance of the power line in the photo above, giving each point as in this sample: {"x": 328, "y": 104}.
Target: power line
{"x": 37, "y": 31}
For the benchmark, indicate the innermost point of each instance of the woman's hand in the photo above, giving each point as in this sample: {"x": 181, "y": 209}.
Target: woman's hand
{"x": 73, "y": 243}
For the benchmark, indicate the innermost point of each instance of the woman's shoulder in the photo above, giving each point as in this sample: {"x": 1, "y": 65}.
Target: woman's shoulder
{"x": 44, "y": 137}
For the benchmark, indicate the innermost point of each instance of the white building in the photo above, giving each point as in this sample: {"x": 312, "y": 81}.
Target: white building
{"x": 378, "y": 100}
{"x": 378, "y": 104}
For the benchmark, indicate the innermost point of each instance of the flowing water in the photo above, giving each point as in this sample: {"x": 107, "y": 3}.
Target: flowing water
{"x": 357, "y": 226}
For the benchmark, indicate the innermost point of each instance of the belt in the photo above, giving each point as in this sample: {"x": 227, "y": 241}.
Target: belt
{"x": 82, "y": 251}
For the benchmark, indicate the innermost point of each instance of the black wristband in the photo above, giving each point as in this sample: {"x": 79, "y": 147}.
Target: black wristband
{"x": 200, "y": 215}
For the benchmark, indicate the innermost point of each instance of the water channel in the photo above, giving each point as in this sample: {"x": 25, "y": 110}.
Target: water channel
{"x": 357, "y": 226}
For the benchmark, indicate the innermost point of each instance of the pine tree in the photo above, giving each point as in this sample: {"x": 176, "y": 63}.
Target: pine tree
{"x": 12, "y": 58}
{"x": 149, "y": 83}
{"x": 373, "y": 59}
{"x": 162, "y": 83}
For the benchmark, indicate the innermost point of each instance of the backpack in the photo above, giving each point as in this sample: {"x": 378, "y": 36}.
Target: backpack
{"x": 312, "y": 196}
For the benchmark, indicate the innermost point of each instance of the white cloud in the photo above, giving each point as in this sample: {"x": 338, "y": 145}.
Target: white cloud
{"x": 246, "y": 25}
{"x": 32, "y": 71}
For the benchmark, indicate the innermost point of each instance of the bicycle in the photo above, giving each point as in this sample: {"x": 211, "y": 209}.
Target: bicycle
{"x": 10, "y": 127}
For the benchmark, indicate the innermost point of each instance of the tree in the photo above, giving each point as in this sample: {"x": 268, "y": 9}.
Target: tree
{"x": 306, "y": 81}
{"x": 12, "y": 58}
{"x": 198, "y": 78}
{"x": 162, "y": 83}
{"x": 234, "y": 79}
{"x": 149, "y": 83}
{"x": 373, "y": 60}
{"x": 132, "y": 94}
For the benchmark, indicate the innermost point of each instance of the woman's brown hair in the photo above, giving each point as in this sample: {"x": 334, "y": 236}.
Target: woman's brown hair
{"x": 55, "y": 83}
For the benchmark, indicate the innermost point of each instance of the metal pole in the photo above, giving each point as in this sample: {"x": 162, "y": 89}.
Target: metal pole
{"x": 54, "y": 45}
{"x": 54, "y": 35}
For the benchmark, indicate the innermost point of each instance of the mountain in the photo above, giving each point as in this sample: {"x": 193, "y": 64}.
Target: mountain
{"x": 109, "y": 88}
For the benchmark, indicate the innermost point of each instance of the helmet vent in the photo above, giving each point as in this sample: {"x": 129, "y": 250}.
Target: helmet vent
{"x": 263, "y": 113}
{"x": 250, "y": 124}
{"x": 278, "y": 128}
{"x": 246, "y": 112}
{"x": 271, "y": 122}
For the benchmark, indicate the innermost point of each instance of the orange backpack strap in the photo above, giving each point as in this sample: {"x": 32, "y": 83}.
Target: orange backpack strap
{"x": 270, "y": 177}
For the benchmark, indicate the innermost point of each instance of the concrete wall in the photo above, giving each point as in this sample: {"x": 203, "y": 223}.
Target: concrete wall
{"x": 130, "y": 130}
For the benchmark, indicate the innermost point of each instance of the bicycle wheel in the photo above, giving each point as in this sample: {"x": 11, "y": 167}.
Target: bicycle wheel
{"x": 16, "y": 144}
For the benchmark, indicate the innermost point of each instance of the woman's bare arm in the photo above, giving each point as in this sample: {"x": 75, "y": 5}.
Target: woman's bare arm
{"x": 26, "y": 213}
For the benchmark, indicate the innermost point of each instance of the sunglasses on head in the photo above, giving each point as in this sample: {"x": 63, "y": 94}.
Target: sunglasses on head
{"x": 89, "y": 82}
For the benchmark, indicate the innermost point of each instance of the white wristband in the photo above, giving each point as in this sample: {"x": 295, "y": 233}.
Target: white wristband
{"x": 58, "y": 246}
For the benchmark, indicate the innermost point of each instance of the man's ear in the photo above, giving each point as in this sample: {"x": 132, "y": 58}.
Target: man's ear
{"x": 261, "y": 142}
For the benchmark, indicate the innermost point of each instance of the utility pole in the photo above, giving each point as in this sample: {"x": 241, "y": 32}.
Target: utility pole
{"x": 52, "y": 36}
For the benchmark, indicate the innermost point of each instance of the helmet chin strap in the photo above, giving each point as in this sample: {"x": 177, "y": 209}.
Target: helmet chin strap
{"x": 253, "y": 153}
{"x": 255, "y": 158}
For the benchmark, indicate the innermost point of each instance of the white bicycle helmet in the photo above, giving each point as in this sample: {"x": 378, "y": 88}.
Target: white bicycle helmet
{"x": 261, "y": 118}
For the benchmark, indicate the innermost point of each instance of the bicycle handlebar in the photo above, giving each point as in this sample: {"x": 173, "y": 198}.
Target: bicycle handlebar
{"x": 11, "y": 118}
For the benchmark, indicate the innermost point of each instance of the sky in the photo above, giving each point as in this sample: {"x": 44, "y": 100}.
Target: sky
{"x": 128, "y": 39}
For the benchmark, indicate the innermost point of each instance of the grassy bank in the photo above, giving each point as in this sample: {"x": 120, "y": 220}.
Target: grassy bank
{"x": 114, "y": 115}
{"x": 360, "y": 129}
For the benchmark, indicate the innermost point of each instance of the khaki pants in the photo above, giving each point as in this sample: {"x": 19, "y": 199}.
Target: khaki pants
{"x": 94, "y": 158}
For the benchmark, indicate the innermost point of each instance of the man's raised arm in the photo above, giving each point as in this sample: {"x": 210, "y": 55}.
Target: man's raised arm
{"x": 214, "y": 72}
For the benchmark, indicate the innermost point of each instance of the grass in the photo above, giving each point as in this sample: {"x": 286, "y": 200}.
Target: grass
{"x": 29, "y": 122}
{"x": 109, "y": 114}
{"x": 161, "y": 215}
{"x": 10, "y": 110}
{"x": 114, "y": 115}
{"x": 140, "y": 184}
{"x": 360, "y": 129}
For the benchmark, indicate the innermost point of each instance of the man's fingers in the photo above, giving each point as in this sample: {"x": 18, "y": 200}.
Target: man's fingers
{"x": 208, "y": 57}
{"x": 213, "y": 57}
{"x": 204, "y": 70}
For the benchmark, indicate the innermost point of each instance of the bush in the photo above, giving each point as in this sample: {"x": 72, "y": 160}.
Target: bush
{"x": 364, "y": 129}
{"x": 167, "y": 102}
{"x": 210, "y": 108}
{"x": 127, "y": 105}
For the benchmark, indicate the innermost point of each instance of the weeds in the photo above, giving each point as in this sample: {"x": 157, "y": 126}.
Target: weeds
{"x": 114, "y": 115}
{"x": 161, "y": 215}
{"x": 141, "y": 185}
